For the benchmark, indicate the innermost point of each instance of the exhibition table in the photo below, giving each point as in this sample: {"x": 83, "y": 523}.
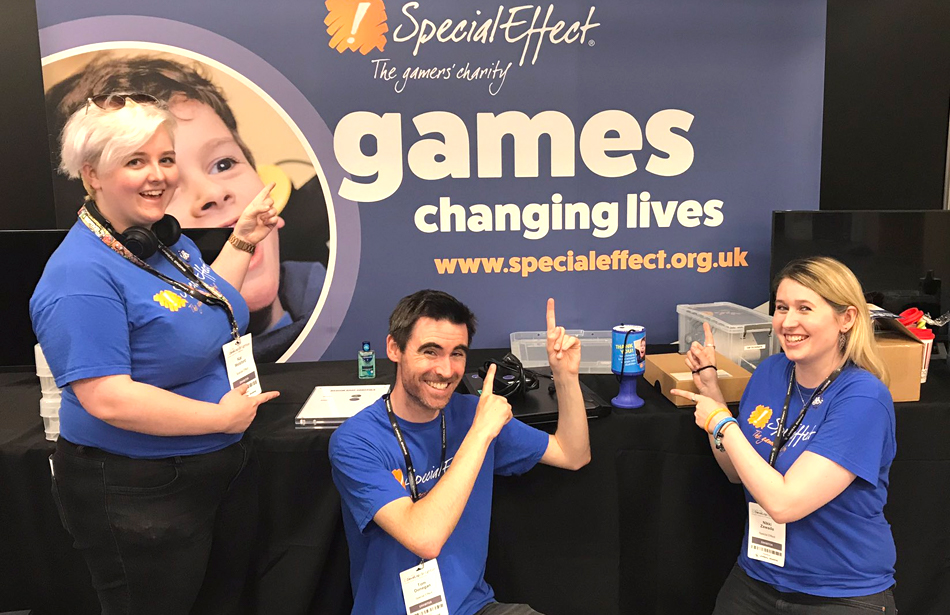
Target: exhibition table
{"x": 651, "y": 525}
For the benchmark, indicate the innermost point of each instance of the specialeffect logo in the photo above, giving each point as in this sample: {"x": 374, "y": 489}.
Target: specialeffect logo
{"x": 356, "y": 26}
{"x": 361, "y": 26}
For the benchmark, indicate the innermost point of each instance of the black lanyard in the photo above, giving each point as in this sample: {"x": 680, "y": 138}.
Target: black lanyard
{"x": 410, "y": 471}
{"x": 782, "y": 436}
{"x": 210, "y": 296}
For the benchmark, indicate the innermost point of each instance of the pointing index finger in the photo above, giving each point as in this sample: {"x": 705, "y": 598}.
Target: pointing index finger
{"x": 687, "y": 394}
{"x": 489, "y": 382}
{"x": 552, "y": 321}
{"x": 709, "y": 335}
{"x": 265, "y": 191}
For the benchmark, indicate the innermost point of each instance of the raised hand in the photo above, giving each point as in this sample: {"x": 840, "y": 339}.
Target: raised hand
{"x": 564, "y": 351}
{"x": 708, "y": 411}
{"x": 701, "y": 360}
{"x": 239, "y": 409}
{"x": 259, "y": 218}
{"x": 493, "y": 411}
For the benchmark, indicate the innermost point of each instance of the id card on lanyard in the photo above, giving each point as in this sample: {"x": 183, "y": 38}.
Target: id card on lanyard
{"x": 239, "y": 360}
{"x": 422, "y": 589}
{"x": 767, "y": 538}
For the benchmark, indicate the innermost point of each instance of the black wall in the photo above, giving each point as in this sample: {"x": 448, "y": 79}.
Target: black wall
{"x": 25, "y": 181}
{"x": 887, "y": 103}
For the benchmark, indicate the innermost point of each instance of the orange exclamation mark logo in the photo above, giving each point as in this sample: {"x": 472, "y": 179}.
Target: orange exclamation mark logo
{"x": 357, "y": 26}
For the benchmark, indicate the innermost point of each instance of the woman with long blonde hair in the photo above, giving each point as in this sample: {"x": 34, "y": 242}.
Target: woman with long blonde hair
{"x": 812, "y": 447}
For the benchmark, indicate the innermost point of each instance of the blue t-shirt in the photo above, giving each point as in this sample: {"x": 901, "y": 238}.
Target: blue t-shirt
{"x": 97, "y": 314}
{"x": 845, "y": 548}
{"x": 369, "y": 471}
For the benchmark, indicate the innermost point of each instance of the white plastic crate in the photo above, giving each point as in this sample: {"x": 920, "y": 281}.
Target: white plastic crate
{"x": 531, "y": 349}
{"x": 743, "y": 335}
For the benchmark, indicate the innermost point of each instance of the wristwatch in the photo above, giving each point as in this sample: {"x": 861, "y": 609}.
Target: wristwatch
{"x": 240, "y": 244}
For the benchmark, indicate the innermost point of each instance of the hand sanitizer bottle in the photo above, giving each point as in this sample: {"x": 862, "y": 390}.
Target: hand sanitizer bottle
{"x": 367, "y": 362}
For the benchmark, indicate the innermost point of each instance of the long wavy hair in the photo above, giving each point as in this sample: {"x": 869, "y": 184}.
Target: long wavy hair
{"x": 836, "y": 284}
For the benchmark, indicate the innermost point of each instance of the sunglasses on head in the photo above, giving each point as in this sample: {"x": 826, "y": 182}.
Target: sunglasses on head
{"x": 114, "y": 101}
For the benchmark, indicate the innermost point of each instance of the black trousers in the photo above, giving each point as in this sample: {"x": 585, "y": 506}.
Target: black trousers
{"x": 160, "y": 536}
{"x": 498, "y": 608}
{"x": 743, "y": 595}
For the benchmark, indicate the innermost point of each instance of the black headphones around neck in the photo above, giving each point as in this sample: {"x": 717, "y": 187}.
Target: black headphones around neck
{"x": 140, "y": 240}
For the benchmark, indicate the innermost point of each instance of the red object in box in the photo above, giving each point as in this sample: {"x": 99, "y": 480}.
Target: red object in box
{"x": 910, "y": 317}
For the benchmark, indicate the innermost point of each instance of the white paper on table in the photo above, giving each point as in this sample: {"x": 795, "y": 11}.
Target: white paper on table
{"x": 334, "y": 404}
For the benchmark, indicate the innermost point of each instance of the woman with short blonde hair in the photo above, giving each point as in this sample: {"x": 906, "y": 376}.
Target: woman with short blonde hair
{"x": 150, "y": 473}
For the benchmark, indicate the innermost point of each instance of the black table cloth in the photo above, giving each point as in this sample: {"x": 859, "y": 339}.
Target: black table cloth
{"x": 651, "y": 525}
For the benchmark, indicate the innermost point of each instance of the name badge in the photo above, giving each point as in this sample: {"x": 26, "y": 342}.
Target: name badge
{"x": 766, "y": 537}
{"x": 422, "y": 589}
{"x": 239, "y": 359}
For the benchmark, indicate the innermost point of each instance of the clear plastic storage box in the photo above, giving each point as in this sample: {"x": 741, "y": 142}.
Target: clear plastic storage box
{"x": 743, "y": 335}
{"x": 531, "y": 349}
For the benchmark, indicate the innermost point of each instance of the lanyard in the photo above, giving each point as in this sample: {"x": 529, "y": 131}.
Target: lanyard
{"x": 410, "y": 471}
{"x": 782, "y": 436}
{"x": 210, "y": 296}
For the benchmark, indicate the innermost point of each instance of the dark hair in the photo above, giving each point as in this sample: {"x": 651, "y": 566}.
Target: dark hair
{"x": 161, "y": 77}
{"x": 433, "y": 304}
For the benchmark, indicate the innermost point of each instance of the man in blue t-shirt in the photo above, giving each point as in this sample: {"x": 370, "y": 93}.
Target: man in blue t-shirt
{"x": 415, "y": 469}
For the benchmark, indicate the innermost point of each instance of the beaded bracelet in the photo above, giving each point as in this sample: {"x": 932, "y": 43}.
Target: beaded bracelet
{"x": 718, "y": 432}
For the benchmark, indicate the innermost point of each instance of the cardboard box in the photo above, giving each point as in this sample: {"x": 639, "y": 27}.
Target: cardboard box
{"x": 903, "y": 352}
{"x": 671, "y": 372}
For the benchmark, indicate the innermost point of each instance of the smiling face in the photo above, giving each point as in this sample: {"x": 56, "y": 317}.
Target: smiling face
{"x": 808, "y": 327}
{"x": 429, "y": 368}
{"x": 139, "y": 189}
{"x": 217, "y": 183}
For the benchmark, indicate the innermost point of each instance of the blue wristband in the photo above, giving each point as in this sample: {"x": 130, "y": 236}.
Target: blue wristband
{"x": 718, "y": 432}
{"x": 720, "y": 425}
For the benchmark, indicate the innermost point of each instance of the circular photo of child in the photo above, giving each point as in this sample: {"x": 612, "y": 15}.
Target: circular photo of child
{"x": 229, "y": 143}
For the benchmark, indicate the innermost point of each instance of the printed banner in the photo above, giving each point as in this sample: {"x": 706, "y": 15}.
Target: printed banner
{"x": 621, "y": 157}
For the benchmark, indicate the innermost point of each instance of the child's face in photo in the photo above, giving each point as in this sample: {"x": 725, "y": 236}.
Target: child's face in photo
{"x": 216, "y": 184}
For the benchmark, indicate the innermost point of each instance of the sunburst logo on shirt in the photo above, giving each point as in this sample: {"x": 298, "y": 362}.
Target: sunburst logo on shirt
{"x": 169, "y": 300}
{"x": 760, "y": 416}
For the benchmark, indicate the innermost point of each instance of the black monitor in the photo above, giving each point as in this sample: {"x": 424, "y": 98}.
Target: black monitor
{"x": 25, "y": 254}
{"x": 902, "y": 258}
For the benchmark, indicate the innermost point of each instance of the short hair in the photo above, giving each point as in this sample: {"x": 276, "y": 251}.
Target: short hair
{"x": 162, "y": 78}
{"x": 433, "y": 304}
{"x": 103, "y": 138}
{"x": 836, "y": 284}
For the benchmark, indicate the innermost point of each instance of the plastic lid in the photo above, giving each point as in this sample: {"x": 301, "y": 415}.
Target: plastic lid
{"x": 924, "y": 334}
{"x": 725, "y": 315}
{"x": 910, "y": 316}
